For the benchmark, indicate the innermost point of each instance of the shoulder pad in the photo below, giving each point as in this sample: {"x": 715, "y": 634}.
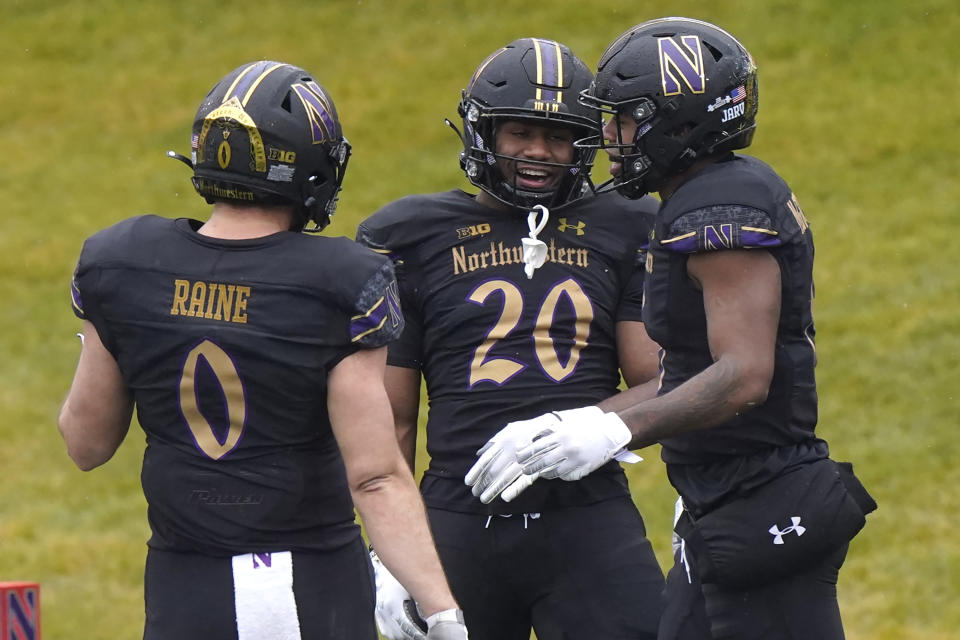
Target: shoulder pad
{"x": 408, "y": 222}
{"x": 377, "y": 317}
{"x": 721, "y": 227}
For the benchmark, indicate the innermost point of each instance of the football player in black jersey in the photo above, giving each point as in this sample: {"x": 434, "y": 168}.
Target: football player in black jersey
{"x": 254, "y": 355}
{"x": 765, "y": 515}
{"x": 519, "y": 298}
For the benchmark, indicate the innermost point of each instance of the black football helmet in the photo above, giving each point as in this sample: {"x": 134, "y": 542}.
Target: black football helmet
{"x": 268, "y": 133}
{"x": 690, "y": 86}
{"x": 529, "y": 79}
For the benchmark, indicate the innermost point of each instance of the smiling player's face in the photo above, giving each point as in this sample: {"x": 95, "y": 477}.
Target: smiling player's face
{"x": 528, "y": 145}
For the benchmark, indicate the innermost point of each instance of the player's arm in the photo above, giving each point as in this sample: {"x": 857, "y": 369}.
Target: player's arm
{"x": 637, "y": 352}
{"x": 403, "y": 389}
{"x": 741, "y": 298}
{"x": 639, "y": 358}
{"x": 382, "y": 486}
{"x": 95, "y": 416}
{"x": 741, "y": 294}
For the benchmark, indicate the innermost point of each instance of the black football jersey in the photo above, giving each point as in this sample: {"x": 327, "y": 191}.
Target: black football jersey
{"x": 738, "y": 203}
{"x": 495, "y": 346}
{"x": 226, "y": 346}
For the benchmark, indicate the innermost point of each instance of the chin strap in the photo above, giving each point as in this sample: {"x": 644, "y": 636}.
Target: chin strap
{"x": 534, "y": 250}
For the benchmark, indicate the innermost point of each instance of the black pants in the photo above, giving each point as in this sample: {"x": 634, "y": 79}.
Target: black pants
{"x": 801, "y": 607}
{"x": 583, "y": 573}
{"x": 190, "y": 596}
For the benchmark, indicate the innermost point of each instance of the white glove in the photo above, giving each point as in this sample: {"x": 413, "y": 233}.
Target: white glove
{"x": 447, "y": 625}
{"x": 581, "y": 441}
{"x": 396, "y": 612}
{"x": 497, "y": 467}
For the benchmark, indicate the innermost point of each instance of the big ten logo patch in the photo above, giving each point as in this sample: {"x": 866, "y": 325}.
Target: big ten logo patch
{"x": 472, "y": 231}
{"x": 19, "y": 611}
{"x": 279, "y": 155}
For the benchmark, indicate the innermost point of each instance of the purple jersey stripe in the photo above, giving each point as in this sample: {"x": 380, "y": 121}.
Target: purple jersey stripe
{"x": 758, "y": 239}
{"x": 689, "y": 244}
{"x": 76, "y": 299}
{"x": 362, "y": 325}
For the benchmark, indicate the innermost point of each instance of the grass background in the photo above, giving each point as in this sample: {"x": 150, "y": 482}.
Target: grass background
{"x": 858, "y": 112}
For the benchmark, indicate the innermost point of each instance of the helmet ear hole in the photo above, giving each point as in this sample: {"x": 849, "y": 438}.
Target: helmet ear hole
{"x": 680, "y": 132}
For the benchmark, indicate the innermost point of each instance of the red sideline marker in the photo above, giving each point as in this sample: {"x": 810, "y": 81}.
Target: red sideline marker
{"x": 20, "y": 610}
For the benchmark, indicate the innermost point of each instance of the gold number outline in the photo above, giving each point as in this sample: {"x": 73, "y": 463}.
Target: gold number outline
{"x": 499, "y": 370}
{"x": 496, "y": 370}
{"x": 582, "y": 318}
{"x": 229, "y": 379}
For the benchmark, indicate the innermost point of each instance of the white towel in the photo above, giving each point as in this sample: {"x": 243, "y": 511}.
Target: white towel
{"x": 263, "y": 595}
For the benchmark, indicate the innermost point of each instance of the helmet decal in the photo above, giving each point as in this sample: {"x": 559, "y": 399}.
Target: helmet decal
{"x": 223, "y": 152}
{"x": 317, "y": 105}
{"x": 673, "y": 59}
{"x": 549, "y": 73}
{"x": 249, "y": 79}
{"x": 232, "y": 110}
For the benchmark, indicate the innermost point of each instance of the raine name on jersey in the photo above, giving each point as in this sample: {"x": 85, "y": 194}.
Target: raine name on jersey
{"x": 210, "y": 300}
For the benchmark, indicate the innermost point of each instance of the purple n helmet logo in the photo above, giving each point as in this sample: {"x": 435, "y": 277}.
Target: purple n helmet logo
{"x": 681, "y": 63}
{"x": 317, "y": 105}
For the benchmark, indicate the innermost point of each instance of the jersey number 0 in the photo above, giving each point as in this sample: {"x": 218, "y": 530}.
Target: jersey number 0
{"x": 236, "y": 405}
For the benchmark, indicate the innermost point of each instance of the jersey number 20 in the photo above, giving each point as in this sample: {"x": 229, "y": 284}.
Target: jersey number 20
{"x": 499, "y": 370}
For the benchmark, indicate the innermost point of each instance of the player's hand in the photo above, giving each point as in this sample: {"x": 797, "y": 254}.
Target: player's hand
{"x": 396, "y": 612}
{"x": 447, "y": 625}
{"x": 497, "y": 468}
{"x": 579, "y": 442}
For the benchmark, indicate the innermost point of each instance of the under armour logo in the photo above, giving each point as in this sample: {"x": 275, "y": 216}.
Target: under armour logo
{"x": 794, "y": 528}
{"x": 579, "y": 227}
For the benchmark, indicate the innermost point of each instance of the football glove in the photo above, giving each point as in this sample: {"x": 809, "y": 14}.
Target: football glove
{"x": 447, "y": 625}
{"x": 579, "y": 442}
{"x": 497, "y": 467}
{"x": 396, "y": 612}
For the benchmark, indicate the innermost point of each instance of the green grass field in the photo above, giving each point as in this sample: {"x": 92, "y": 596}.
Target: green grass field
{"x": 858, "y": 111}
